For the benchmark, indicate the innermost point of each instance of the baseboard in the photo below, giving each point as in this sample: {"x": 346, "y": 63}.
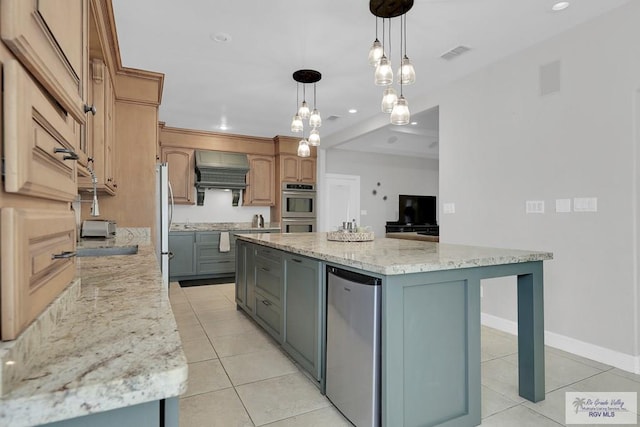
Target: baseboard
{"x": 623, "y": 361}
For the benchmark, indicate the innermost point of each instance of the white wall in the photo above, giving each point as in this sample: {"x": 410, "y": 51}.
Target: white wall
{"x": 217, "y": 208}
{"x": 396, "y": 175}
{"x": 501, "y": 143}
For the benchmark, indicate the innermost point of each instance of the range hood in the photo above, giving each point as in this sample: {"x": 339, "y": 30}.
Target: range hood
{"x": 220, "y": 169}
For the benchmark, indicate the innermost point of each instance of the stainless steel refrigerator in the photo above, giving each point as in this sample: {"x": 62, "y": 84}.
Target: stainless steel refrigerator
{"x": 164, "y": 212}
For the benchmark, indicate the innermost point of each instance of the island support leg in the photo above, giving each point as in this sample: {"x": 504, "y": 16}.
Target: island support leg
{"x": 531, "y": 335}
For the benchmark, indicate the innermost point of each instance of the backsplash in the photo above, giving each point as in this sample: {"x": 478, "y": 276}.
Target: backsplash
{"x": 217, "y": 208}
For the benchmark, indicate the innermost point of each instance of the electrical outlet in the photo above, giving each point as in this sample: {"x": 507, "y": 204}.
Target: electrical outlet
{"x": 449, "y": 208}
{"x": 563, "y": 205}
{"x": 535, "y": 206}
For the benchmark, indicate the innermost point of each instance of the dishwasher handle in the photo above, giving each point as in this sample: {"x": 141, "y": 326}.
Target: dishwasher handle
{"x": 354, "y": 277}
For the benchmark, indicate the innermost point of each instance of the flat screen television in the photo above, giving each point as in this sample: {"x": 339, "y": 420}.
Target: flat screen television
{"x": 417, "y": 210}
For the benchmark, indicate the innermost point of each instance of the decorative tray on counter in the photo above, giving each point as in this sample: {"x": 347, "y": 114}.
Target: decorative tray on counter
{"x": 341, "y": 236}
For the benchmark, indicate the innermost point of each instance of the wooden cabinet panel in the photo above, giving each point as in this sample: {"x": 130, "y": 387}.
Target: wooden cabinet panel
{"x": 260, "y": 189}
{"x": 50, "y": 37}
{"x": 181, "y": 173}
{"x": 302, "y": 315}
{"x": 307, "y": 171}
{"x": 100, "y": 130}
{"x": 31, "y": 277}
{"x": 297, "y": 169}
{"x": 34, "y": 128}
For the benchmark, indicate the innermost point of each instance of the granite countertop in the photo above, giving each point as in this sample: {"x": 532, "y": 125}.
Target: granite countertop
{"x": 393, "y": 256}
{"x": 223, "y": 226}
{"x": 413, "y": 235}
{"x": 116, "y": 346}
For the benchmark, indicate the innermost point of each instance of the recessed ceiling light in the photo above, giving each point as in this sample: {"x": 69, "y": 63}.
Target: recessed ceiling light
{"x": 414, "y": 123}
{"x": 220, "y": 37}
{"x": 353, "y": 110}
{"x": 561, "y": 5}
{"x": 223, "y": 127}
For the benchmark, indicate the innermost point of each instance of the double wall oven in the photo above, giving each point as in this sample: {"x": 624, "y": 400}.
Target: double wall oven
{"x": 298, "y": 207}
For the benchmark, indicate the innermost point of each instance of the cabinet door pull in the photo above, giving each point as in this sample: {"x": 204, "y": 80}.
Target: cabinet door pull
{"x": 171, "y": 255}
{"x": 267, "y": 269}
{"x": 63, "y": 255}
{"x": 266, "y": 302}
{"x": 296, "y": 260}
{"x": 90, "y": 108}
{"x": 69, "y": 153}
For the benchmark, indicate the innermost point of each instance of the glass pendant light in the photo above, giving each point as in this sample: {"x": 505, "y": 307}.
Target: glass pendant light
{"x": 389, "y": 99}
{"x": 376, "y": 51}
{"x": 314, "y": 138}
{"x": 296, "y": 124}
{"x": 384, "y": 73}
{"x": 400, "y": 114}
{"x": 407, "y": 72}
{"x": 304, "y": 111}
{"x": 303, "y": 148}
{"x": 315, "y": 121}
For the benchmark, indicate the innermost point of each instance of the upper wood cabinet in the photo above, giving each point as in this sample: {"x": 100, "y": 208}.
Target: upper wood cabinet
{"x": 39, "y": 140}
{"x": 181, "y": 173}
{"x": 101, "y": 130}
{"x": 297, "y": 169}
{"x": 260, "y": 189}
{"x": 49, "y": 37}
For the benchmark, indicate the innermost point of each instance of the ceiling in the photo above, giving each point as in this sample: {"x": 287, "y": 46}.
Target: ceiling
{"x": 245, "y": 85}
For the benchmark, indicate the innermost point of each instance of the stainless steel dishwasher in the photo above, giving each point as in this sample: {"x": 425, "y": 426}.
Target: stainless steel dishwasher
{"x": 353, "y": 345}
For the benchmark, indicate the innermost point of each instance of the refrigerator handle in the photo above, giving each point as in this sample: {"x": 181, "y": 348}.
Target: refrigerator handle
{"x": 170, "y": 205}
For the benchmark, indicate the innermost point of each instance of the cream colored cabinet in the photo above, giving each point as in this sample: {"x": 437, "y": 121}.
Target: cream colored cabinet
{"x": 49, "y": 37}
{"x": 297, "y": 169}
{"x": 37, "y": 263}
{"x": 181, "y": 173}
{"x": 101, "y": 130}
{"x": 260, "y": 189}
{"x": 39, "y": 140}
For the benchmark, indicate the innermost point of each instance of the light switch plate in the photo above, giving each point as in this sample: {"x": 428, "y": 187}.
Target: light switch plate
{"x": 563, "y": 205}
{"x": 585, "y": 204}
{"x": 534, "y": 206}
{"x": 449, "y": 208}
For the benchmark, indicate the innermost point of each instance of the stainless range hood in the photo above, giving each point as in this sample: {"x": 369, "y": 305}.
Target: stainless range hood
{"x": 220, "y": 169}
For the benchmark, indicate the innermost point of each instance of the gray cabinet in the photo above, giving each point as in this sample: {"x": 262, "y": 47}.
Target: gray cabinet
{"x": 210, "y": 261}
{"x": 269, "y": 289}
{"x": 182, "y": 249}
{"x": 303, "y": 317}
{"x": 245, "y": 276}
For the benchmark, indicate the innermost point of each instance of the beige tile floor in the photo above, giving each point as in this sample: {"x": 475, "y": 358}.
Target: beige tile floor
{"x": 238, "y": 376}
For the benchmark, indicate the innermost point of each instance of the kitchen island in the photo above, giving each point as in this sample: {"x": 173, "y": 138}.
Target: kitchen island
{"x": 106, "y": 352}
{"x": 430, "y": 318}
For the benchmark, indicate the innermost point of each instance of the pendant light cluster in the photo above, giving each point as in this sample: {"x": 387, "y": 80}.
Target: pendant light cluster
{"x": 304, "y": 113}
{"x": 406, "y": 75}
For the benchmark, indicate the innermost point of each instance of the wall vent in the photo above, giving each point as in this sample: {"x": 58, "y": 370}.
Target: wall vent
{"x": 455, "y": 52}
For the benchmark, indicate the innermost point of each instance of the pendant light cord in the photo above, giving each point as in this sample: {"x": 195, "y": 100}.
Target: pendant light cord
{"x": 401, "y": 67}
{"x": 314, "y": 96}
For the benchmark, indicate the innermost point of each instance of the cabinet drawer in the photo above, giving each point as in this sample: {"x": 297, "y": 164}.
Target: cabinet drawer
{"x": 35, "y": 126}
{"x": 209, "y": 238}
{"x": 270, "y": 314}
{"x": 216, "y": 266}
{"x": 213, "y": 252}
{"x": 269, "y": 254}
{"x": 31, "y": 278}
{"x": 269, "y": 279}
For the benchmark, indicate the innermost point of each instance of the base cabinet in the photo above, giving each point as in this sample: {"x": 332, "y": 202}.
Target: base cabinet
{"x": 151, "y": 414}
{"x": 303, "y": 318}
{"x": 284, "y": 293}
{"x": 181, "y": 254}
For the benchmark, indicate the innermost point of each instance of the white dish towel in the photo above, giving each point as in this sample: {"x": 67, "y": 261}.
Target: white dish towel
{"x": 224, "y": 242}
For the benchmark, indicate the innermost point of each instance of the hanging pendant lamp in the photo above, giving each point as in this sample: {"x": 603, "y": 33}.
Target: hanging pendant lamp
{"x": 315, "y": 121}
{"x": 389, "y": 99}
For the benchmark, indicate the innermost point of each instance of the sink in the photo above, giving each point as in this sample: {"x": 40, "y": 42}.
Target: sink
{"x": 107, "y": 251}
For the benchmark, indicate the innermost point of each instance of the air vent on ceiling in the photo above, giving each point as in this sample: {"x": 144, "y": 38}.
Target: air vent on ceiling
{"x": 455, "y": 52}
{"x": 332, "y": 118}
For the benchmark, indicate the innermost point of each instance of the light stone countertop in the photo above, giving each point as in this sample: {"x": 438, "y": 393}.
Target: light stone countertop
{"x": 223, "y": 226}
{"x": 117, "y": 346}
{"x": 393, "y": 256}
